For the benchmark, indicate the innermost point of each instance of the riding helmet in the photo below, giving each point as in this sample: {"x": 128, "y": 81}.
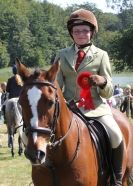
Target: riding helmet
{"x": 82, "y": 17}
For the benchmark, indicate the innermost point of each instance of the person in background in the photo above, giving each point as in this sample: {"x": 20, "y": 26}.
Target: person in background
{"x": 14, "y": 84}
{"x": 116, "y": 90}
{"x": 120, "y": 90}
{"x": 84, "y": 60}
{"x": 0, "y": 103}
{"x": 4, "y": 99}
{"x": 127, "y": 104}
{"x": 118, "y": 96}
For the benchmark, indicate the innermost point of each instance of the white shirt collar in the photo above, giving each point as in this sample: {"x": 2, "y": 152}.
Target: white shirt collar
{"x": 86, "y": 49}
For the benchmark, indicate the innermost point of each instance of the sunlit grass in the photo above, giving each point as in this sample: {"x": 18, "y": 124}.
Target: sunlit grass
{"x": 5, "y": 73}
{"x": 13, "y": 171}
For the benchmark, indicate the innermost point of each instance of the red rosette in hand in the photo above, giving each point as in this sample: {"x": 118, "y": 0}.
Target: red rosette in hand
{"x": 86, "y": 100}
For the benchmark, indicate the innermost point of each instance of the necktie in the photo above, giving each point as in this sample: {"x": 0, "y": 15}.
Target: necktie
{"x": 81, "y": 55}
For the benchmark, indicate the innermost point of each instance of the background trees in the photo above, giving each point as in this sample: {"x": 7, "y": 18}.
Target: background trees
{"x": 35, "y": 31}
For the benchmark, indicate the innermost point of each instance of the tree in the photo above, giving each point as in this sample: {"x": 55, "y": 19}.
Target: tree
{"x": 13, "y": 20}
{"x": 34, "y": 31}
{"x": 120, "y": 5}
{"x": 4, "y": 56}
{"x": 122, "y": 51}
{"x": 126, "y": 18}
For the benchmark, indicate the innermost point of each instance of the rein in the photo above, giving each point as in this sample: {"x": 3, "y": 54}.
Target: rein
{"x": 51, "y": 131}
{"x": 44, "y": 130}
{"x": 48, "y": 131}
{"x": 51, "y": 166}
{"x": 16, "y": 128}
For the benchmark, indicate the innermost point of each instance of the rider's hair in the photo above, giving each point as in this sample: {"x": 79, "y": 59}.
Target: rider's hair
{"x": 18, "y": 80}
{"x": 17, "y": 76}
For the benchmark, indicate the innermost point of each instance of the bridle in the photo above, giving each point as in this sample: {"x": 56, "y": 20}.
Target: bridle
{"x": 53, "y": 125}
{"x": 52, "y": 130}
{"x": 44, "y": 130}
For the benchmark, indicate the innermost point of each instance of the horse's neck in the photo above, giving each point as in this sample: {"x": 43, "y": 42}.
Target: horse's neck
{"x": 65, "y": 115}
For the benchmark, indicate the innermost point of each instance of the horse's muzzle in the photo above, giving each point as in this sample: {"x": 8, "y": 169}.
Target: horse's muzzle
{"x": 36, "y": 157}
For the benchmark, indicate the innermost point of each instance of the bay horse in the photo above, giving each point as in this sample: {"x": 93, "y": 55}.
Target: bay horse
{"x": 14, "y": 124}
{"x": 59, "y": 145}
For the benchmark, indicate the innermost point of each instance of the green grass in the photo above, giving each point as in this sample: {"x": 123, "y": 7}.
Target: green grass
{"x": 126, "y": 74}
{"x": 5, "y": 73}
{"x": 13, "y": 171}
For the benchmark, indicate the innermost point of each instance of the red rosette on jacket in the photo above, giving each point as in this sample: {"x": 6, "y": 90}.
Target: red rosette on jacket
{"x": 86, "y": 100}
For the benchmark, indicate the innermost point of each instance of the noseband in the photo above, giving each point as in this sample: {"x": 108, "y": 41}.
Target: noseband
{"x": 48, "y": 131}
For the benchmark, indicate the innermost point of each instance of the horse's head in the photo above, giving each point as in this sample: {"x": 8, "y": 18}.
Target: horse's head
{"x": 39, "y": 102}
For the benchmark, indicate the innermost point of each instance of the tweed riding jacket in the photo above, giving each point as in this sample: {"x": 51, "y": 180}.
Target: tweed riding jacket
{"x": 97, "y": 62}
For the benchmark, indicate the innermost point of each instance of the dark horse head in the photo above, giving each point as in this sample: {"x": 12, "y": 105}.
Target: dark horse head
{"x": 39, "y": 102}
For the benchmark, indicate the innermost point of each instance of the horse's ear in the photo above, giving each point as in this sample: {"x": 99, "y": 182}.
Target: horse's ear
{"x": 22, "y": 70}
{"x": 52, "y": 72}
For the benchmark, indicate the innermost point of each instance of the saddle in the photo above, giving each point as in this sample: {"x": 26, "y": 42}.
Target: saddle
{"x": 101, "y": 139}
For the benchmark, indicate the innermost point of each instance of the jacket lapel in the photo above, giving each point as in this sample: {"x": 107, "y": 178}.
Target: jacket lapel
{"x": 70, "y": 56}
{"x": 90, "y": 55}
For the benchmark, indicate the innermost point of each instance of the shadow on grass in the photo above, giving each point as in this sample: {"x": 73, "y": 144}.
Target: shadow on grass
{"x": 5, "y": 154}
{"x": 5, "y": 157}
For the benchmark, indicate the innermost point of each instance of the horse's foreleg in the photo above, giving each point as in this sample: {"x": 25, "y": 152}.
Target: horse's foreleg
{"x": 20, "y": 151}
{"x": 10, "y": 138}
{"x": 9, "y": 141}
{"x": 12, "y": 145}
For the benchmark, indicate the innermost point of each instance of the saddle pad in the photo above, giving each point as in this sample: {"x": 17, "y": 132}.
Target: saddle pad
{"x": 101, "y": 140}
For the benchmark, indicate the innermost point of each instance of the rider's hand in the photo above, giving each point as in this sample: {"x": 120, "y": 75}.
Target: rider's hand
{"x": 97, "y": 80}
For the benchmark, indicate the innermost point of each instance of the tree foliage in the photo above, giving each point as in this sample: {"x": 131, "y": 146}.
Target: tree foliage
{"x": 120, "y": 5}
{"x": 34, "y": 31}
{"x": 4, "y": 56}
{"x": 122, "y": 50}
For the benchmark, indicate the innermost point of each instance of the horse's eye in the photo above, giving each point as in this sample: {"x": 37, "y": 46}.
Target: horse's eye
{"x": 50, "y": 103}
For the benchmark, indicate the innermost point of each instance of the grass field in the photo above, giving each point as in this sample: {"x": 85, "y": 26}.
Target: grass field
{"x": 13, "y": 171}
{"x": 5, "y": 73}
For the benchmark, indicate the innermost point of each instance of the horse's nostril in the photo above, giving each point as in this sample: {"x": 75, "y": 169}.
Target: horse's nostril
{"x": 40, "y": 154}
{"x": 29, "y": 155}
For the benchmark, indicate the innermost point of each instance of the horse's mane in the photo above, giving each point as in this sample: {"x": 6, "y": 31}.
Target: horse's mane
{"x": 37, "y": 72}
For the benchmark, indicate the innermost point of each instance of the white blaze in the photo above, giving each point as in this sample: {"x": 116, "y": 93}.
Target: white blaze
{"x": 34, "y": 94}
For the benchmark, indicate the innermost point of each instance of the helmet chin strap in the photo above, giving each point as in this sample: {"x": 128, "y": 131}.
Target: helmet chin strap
{"x": 83, "y": 46}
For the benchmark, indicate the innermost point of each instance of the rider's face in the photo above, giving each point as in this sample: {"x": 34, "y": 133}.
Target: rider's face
{"x": 81, "y": 34}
